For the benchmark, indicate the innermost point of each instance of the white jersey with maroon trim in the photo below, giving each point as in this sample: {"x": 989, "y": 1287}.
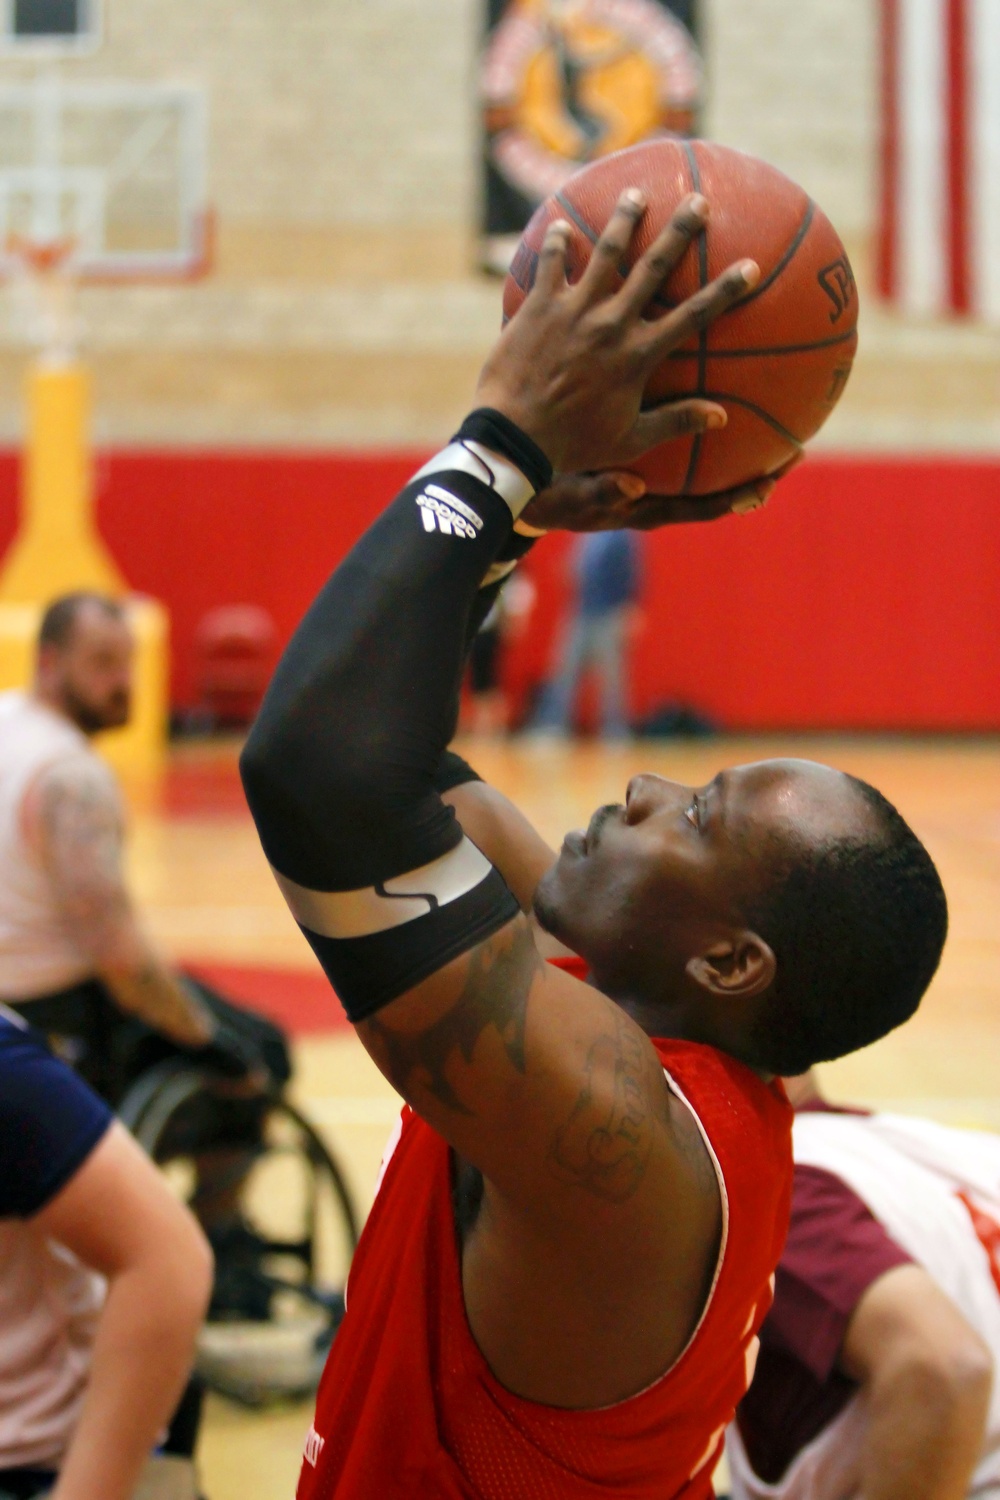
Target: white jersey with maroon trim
{"x": 936, "y": 1192}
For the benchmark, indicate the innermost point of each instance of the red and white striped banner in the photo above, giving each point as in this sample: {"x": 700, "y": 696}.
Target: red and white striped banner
{"x": 939, "y": 230}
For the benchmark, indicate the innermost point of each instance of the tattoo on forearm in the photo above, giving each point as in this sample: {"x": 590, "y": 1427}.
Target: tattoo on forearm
{"x": 606, "y": 1142}
{"x": 161, "y": 1001}
{"x": 81, "y": 834}
{"x": 495, "y": 994}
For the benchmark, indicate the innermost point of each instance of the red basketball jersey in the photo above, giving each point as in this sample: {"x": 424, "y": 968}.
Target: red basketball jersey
{"x": 408, "y": 1407}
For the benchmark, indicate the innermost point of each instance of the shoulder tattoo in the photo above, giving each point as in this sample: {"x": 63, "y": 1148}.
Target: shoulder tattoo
{"x": 79, "y": 819}
{"x": 606, "y": 1143}
{"x": 495, "y": 993}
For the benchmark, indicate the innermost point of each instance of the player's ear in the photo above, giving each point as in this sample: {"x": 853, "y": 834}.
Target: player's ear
{"x": 47, "y": 659}
{"x": 739, "y": 967}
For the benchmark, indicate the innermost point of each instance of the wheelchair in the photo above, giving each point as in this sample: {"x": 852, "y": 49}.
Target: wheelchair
{"x": 281, "y": 1272}
{"x": 269, "y": 1194}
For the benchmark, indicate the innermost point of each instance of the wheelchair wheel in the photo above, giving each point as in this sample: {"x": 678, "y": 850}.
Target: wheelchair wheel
{"x": 281, "y": 1265}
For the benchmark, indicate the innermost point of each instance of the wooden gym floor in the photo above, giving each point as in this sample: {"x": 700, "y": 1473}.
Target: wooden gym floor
{"x": 208, "y": 896}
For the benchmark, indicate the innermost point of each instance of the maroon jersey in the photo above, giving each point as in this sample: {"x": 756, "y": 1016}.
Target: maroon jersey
{"x": 836, "y": 1249}
{"x": 408, "y": 1406}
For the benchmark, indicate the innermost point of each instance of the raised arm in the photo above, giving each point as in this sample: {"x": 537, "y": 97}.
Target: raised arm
{"x": 495, "y": 826}
{"x": 418, "y": 932}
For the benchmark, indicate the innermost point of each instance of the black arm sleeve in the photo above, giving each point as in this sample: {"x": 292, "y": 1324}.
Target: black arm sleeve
{"x": 453, "y": 771}
{"x": 516, "y": 547}
{"x": 340, "y": 767}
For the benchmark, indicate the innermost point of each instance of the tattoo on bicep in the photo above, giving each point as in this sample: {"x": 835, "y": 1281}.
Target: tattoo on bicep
{"x": 81, "y": 833}
{"x": 606, "y": 1143}
{"x": 495, "y": 993}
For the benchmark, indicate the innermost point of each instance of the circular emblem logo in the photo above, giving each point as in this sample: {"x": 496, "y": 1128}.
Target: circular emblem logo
{"x": 566, "y": 81}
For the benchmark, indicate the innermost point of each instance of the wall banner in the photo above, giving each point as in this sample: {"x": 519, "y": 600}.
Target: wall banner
{"x": 563, "y": 82}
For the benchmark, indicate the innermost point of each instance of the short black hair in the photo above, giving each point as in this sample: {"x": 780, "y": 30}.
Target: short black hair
{"x": 857, "y": 927}
{"x": 60, "y": 616}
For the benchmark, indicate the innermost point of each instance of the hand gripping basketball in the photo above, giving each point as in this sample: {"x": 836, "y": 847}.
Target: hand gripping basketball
{"x": 571, "y": 366}
{"x": 619, "y": 501}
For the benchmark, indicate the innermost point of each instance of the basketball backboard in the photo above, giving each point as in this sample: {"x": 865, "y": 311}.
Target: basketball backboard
{"x": 115, "y": 171}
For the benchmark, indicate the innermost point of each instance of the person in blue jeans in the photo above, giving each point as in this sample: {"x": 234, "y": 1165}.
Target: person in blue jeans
{"x": 608, "y": 580}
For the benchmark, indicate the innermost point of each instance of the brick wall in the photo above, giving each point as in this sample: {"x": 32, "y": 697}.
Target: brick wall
{"x": 343, "y": 308}
{"x": 362, "y": 111}
{"x": 795, "y": 81}
{"x": 322, "y": 110}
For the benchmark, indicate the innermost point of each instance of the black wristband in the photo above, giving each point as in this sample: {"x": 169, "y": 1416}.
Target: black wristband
{"x": 494, "y": 430}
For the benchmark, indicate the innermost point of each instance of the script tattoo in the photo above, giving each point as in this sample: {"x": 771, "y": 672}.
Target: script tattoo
{"x": 606, "y": 1142}
{"x": 495, "y": 994}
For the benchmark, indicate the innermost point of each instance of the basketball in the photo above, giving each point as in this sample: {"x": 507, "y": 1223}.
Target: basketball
{"x": 780, "y": 359}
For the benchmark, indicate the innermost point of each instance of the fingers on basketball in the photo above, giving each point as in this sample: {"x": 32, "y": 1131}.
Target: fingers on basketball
{"x": 603, "y": 270}
{"x": 697, "y": 312}
{"x": 651, "y": 270}
{"x": 677, "y": 419}
{"x": 780, "y": 357}
{"x": 551, "y": 275}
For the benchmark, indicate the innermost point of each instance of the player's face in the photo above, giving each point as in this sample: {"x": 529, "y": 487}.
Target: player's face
{"x": 660, "y": 878}
{"x": 95, "y": 671}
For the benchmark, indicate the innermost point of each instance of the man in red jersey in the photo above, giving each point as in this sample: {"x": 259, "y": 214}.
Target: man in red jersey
{"x": 559, "y": 1287}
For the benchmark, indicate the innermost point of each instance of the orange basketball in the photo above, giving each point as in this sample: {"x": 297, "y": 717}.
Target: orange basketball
{"x": 780, "y": 359}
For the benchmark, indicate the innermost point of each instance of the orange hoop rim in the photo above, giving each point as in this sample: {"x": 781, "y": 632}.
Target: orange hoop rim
{"x": 43, "y": 257}
{"x": 46, "y": 258}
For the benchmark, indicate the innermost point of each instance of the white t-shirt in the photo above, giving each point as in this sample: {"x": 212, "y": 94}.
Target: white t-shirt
{"x": 926, "y": 1184}
{"x": 49, "y": 1308}
{"x": 38, "y": 953}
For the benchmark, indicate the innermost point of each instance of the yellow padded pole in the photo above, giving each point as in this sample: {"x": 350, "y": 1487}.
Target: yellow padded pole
{"x": 57, "y": 548}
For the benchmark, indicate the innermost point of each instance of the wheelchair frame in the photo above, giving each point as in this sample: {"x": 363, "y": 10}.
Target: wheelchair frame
{"x": 147, "y": 1110}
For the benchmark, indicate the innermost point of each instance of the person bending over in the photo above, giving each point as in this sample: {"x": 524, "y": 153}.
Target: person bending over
{"x": 558, "y": 1290}
{"x": 876, "y": 1371}
{"x": 104, "y": 1280}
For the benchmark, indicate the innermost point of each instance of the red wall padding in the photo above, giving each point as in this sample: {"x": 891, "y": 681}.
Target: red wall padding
{"x": 866, "y": 595}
